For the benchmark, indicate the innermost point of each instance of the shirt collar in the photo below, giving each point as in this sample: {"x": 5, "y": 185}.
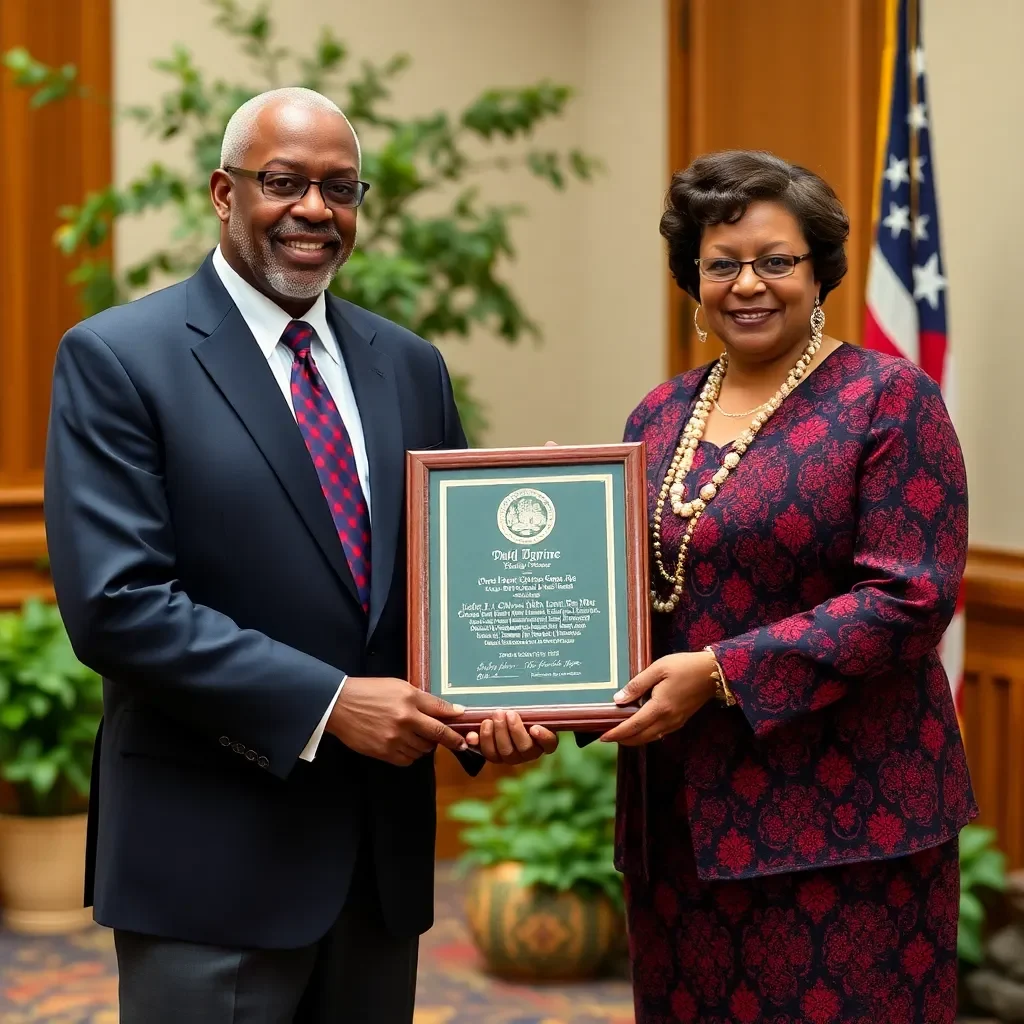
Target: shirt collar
{"x": 265, "y": 318}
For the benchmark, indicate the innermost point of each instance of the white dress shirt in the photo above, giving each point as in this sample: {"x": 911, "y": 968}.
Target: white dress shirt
{"x": 267, "y": 322}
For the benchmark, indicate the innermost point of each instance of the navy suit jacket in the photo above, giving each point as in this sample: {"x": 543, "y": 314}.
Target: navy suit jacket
{"x": 198, "y": 569}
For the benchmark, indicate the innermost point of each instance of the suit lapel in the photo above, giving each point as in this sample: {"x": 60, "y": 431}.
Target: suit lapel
{"x": 373, "y": 381}
{"x": 231, "y": 357}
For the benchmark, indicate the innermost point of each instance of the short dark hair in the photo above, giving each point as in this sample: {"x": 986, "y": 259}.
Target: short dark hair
{"x": 717, "y": 188}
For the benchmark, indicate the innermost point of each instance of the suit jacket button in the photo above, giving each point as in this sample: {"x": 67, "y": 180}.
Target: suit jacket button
{"x": 251, "y": 755}
{"x": 262, "y": 761}
{"x": 225, "y": 741}
{"x": 238, "y": 748}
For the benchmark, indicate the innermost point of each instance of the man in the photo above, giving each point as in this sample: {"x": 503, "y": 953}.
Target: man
{"x": 224, "y": 508}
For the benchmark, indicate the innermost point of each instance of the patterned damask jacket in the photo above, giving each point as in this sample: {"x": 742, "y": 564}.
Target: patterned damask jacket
{"x": 823, "y": 575}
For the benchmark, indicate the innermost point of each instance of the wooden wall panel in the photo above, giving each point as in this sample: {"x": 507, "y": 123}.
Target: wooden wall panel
{"x": 993, "y": 698}
{"x": 48, "y": 158}
{"x": 802, "y": 83}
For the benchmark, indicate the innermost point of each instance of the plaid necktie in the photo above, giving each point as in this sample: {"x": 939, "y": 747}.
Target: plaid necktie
{"x": 330, "y": 447}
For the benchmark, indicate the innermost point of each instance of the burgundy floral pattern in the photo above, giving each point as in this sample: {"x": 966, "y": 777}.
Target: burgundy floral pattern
{"x": 855, "y": 944}
{"x": 793, "y": 857}
{"x": 823, "y": 575}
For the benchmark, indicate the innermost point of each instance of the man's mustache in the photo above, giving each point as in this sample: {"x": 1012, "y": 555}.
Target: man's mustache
{"x": 301, "y": 227}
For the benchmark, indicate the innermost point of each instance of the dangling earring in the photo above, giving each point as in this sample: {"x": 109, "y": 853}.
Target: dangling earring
{"x": 701, "y": 333}
{"x": 817, "y": 320}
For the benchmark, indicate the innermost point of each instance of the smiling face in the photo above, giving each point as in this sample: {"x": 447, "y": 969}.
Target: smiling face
{"x": 290, "y": 251}
{"x": 758, "y": 319}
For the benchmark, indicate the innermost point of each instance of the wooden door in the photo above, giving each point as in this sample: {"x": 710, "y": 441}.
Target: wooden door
{"x": 48, "y": 158}
{"x": 797, "y": 77}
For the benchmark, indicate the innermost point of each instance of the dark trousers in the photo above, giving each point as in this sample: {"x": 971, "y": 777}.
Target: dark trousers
{"x": 357, "y": 974}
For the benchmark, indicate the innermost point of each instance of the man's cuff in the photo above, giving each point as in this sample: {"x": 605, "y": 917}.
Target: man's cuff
{"x": 309, "y": 750}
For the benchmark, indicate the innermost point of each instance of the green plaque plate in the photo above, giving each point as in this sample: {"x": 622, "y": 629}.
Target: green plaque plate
{"x": 527, "y": 580}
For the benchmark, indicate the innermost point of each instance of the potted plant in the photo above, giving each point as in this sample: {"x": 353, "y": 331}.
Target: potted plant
{"x": 50, "y": 707}
{"x": 544, "y": 900}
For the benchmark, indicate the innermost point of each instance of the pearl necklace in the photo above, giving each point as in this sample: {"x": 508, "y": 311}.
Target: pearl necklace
{"x": 674, "y": 486}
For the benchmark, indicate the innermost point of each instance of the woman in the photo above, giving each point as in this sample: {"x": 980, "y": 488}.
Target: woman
{"x": 792, "y": 789}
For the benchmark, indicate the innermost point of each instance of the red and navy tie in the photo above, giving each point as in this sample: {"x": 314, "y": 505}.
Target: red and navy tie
{"x": 330, "y": 447}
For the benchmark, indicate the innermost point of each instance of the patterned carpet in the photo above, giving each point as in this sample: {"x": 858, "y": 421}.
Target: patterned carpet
{"x": 73, "y": 980}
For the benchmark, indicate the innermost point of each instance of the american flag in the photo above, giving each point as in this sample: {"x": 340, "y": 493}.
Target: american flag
{"x": 906, "y": 290}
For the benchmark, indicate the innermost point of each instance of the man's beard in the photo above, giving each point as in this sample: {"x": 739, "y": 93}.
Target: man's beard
{"x": 290, "y": 282}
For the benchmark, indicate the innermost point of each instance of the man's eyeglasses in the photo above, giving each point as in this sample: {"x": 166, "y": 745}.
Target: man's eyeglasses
{"x": 769, "y": 267}
{"x": 290, "y": 187}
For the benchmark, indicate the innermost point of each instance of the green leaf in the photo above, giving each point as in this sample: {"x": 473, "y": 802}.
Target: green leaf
{"x": 969, "y": 946}
{"x": 546, "y": 165}
{"x": 51, "y": 84}
{"x": 43, "y": 776}
{"x": 974, "y": 839}
{"x": 14, "y": 716}
{"x": 470, "y": 811}
{"x": 515, "y": 112}
{"x": 986, "y": 870}
{"x": 78, "y": 776}
{"x": 330, "y": 52}
{"x": 971, "y": 908}
{"x": 98, "y": 288}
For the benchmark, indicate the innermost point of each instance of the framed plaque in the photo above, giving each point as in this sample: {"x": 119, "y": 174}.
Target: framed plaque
{"x": 527, "y": 580}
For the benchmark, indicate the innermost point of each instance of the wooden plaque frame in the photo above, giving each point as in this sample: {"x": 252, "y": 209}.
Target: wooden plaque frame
{"x": 419, "y": 464}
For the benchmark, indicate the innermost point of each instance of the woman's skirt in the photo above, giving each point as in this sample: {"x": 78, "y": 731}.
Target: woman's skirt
{"x": 868, "y": 943}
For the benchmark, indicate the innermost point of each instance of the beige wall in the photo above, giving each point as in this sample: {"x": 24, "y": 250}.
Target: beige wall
{"x": 590, "y": 269}
{"x": 591, "y": 266}
{"x": 977, "y": 99}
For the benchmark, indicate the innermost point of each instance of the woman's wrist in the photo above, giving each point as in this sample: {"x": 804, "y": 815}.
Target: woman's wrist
{"x": 722, "y": 692}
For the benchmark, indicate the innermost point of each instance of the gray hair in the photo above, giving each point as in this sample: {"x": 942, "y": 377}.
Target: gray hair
{"x": 241, "y": 129}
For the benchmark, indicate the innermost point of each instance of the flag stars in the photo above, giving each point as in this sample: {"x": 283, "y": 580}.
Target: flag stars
{"x": 898, "y": 220}
{"x": 921, "y": 227}
{"x": 917, "y": 61}
{"x": 918, "y": 117}
{"x": 897, "y": 173}
{"x": 929, "y": 282}
{"x": 919, "y": 168}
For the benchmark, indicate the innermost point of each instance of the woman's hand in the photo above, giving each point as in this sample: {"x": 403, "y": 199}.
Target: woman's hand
{"x": 679, "y": 685}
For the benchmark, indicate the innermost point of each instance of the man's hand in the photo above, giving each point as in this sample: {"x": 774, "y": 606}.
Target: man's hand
{"x": 505, "y": 740}
{"x": 392, "y": 720}
{"x": 679, "y": 686}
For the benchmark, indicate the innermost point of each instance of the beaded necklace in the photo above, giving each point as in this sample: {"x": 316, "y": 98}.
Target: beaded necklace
{"x": 674, "y": 485}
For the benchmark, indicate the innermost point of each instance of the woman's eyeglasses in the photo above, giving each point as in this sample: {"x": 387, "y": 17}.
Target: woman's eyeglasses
{"x": 770, "y": 267}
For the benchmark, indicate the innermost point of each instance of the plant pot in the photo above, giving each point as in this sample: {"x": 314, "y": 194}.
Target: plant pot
{"x": 42, "y": 874}
{"x": 534, "y": 934}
